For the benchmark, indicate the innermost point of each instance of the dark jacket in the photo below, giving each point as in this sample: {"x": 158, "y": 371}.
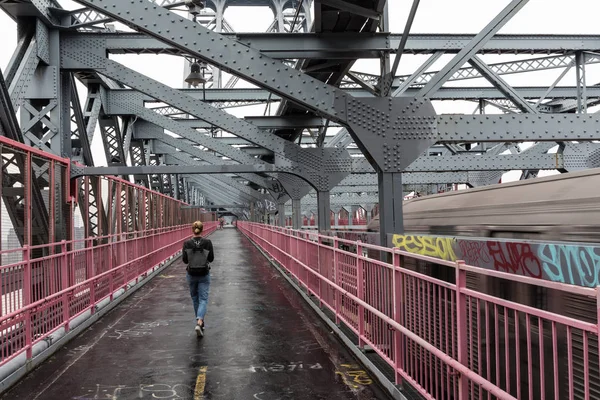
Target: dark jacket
{"x": 205, "y": 244}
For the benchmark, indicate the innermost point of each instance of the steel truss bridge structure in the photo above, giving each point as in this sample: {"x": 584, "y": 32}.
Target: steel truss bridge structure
{"x": 334, "y": 137}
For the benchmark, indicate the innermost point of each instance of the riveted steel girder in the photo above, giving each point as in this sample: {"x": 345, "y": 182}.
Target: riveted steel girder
{"x": 227, "y": 54}
{"x": 183, "y": 158}
{"x": 474, "y": 162}
{"x": 502, "y": 86}
{"x": 186, "y": 160}
{"x": 214, "y": 193}
{"x": 230, "y": 56}
{"x": 448, "y": 93}
{"x": 414, "y": 178}
{"x": 349, "y": 45}
{"x": 472, "y": 48}
{"x": 502, "y": 68}
{"x": 21, "y": 72}
{"x": 514, "y": 127}
{"x": 210, "y": 182}
{"x": 148, "y": 130}
{"x": 319, "y": 166}
{"x": 9, "y": 125}
{"x": 173, "y": 169}
{"x": 341, "y": 201}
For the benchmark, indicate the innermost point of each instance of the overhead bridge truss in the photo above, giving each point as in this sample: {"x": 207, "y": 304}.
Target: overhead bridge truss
{"x": 330, "y": 129}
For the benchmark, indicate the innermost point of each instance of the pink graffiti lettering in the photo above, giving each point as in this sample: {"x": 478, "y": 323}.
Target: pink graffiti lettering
{"x": 515, "y": 258}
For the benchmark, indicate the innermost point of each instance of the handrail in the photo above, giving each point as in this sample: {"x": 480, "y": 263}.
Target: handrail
{"x": 440, "y": 336}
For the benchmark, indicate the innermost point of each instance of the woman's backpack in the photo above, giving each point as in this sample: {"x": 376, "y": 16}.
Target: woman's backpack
{"x": 197, "y": 257}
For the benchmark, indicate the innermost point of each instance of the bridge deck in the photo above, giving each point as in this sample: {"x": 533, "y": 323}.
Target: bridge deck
{"x": 262, "y": 342}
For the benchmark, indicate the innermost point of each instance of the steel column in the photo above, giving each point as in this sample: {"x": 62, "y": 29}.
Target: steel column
{"x": 581, "y": 84}
{"x": 390, "y": 205}
{"x": 323, "y": 211}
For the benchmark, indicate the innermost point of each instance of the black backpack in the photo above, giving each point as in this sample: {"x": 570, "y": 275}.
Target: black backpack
{"x": 197, "y": 258}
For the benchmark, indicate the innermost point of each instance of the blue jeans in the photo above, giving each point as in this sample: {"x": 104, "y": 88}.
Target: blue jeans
{"x": 199, "y": 286}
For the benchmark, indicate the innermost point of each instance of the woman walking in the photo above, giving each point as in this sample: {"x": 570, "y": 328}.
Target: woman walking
{"x": 198, "y": 254}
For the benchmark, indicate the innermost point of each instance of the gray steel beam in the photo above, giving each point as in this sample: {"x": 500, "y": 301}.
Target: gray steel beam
{"x": 351, "y": 8}
{"x": 22, "y": 71}
{"x": 473, "y": 47}
{"x": 460, "y": 162}
{"x": 415, "y": 178}
{"x": 389, "y": 79}
{"x": 502, "y": 68}
{"x": 349, "y": 45}
{"x": 502, "y": 86}
{"x": 9, "y": 125}
{"x": 229, "y": 55}
{"x": 516, "y": 127}
{"x": 179, "y": 157}
{"x": 212, "y": 184}
{"x": 283, "y": 122}
{"x": 213, "y": 206}
{"x": 474, "y": 162}
{"x": 86, "y": 18}
{"x": 287, "y": 122}
{"x": 155, "y": 130}
{"x": 341, "y": 201}
{"x": 409, "y": 80}
{"x": 581, "y": 83}
{"x": 290, "y": 154}
{"x": 184, "y": 158}
{"x": 214, "y": 194}
{"x": 77, "y": 171}
{"x": 445, "y": 93}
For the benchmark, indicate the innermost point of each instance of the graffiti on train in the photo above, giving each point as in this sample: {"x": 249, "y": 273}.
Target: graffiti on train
{"x": 565, "y": 263}
{"x": 576, "y": 265}
{"x": 438, "y": 247}
{"x": 514, "y": 257}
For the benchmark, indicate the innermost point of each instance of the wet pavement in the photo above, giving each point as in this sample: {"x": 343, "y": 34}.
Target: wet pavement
{"x": 262, "y": 342}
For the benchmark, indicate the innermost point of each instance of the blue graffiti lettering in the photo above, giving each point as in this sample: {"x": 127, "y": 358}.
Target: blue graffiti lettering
{"x": 575, "y": 265}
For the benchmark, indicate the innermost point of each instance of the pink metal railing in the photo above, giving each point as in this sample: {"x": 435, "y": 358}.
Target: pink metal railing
{"x": 446, "y": 340}
{"x": 68, "y": 283}
{"x": 124, "y": 231}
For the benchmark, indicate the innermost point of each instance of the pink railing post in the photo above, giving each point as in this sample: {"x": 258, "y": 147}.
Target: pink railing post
{"x": 27, "y": 286}
{"x": 398, "y": 296}
{"x": 89, "y": 258}
{"x": 65, "y": 274}
{"x": 320, "y": 243}
{"x": 91, "y": 273}
{"x": 336, "y": 280}
{"x": 461, "y": 328}
{"x": 360, "y": 293}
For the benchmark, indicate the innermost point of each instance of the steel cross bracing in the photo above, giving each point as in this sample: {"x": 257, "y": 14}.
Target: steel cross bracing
{"x": 355, "y": 45}
{"x": 223, "y": 98}
{"x": 147, "y": 130}
{"x": 455, "y": 131}
{"x": 14, "y": 181}
{"x": 241, "y": 60}
{"x": 287, "y": 151}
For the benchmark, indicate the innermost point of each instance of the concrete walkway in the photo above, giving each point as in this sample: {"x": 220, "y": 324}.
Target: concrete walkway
{"x": 261, "y": 342}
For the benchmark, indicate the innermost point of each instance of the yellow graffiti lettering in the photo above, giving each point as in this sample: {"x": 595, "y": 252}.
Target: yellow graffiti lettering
{"x": 438, "y": 247}
{"x": 354, "y": 377}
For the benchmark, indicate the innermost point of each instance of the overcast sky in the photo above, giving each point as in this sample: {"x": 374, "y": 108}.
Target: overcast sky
{"x": 433, "y": 16}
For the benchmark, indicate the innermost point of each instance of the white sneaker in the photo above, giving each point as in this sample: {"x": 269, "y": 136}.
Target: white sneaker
{"x": 199, "y": 331}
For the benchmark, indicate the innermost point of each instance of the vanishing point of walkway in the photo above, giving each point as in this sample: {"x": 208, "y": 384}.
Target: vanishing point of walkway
{"x": 262, "y": 342}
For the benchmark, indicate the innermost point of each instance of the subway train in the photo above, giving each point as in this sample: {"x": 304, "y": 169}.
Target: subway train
{"x": 563, "y": 208}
